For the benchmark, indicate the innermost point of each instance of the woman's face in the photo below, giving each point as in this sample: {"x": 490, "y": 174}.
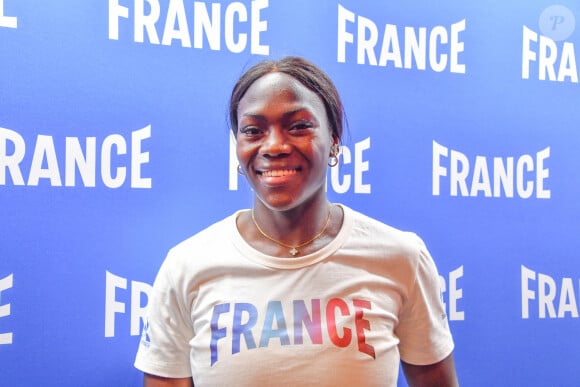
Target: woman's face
{"x": 283, "y": 141}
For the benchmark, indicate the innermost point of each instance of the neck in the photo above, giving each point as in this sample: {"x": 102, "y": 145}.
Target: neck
{"x": 292, "y": 229}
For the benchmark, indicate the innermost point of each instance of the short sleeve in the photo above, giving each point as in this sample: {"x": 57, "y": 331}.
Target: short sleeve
{"x": 423, "y": 329}
{"x": 164, "y": 347}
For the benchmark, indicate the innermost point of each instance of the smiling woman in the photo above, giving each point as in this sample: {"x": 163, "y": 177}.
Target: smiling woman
{"x": 241, "y": 284}
{"x": 283, "y": 145}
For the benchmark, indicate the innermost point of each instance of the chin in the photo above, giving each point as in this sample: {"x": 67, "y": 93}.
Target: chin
{"x": 279, "y": 202}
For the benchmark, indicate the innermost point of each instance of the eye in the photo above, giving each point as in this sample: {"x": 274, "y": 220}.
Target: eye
{"x": 299, "y": 126}
{"x": 250, "y": 130}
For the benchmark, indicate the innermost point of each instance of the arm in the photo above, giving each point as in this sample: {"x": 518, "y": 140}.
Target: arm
{"x": 158, "y": 381}
{"x": 440, "y": 374}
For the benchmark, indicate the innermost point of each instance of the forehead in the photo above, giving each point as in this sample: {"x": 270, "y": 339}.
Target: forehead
{"x": 279, "y": 89}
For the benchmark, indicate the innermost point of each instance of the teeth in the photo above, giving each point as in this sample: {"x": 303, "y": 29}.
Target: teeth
{"x": 279, "y": 172}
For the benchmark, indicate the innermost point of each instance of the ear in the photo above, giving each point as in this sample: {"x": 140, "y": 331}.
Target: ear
{"x": 334, "y": 149}
{"x": 335, "y": 145}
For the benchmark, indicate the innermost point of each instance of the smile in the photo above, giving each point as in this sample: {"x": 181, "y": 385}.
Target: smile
{"x": 278, "y": 172}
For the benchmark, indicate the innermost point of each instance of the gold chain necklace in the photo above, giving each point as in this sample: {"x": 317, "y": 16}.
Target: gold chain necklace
{"x": 293, "y": 249}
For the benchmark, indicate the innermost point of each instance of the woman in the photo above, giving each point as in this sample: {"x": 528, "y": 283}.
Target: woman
{"x": 296, "y": 290}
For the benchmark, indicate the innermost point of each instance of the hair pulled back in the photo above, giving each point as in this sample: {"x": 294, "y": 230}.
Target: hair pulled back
{"x": 306, "y": 73}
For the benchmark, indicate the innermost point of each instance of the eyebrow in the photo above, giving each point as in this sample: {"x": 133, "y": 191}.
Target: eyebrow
{"x": 287, "y": 114}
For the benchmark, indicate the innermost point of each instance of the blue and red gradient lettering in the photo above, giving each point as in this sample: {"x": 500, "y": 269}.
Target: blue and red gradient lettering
{"x": 242, "y": 324}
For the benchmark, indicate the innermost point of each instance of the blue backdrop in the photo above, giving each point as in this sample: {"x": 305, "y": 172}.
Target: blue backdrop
{"x": 463, "y": 127}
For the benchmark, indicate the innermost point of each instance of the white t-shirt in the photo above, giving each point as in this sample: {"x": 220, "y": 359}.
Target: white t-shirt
{"x": 227, "y": 314}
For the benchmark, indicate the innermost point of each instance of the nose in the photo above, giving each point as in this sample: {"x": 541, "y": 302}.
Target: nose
{"x": 275, "y": 143}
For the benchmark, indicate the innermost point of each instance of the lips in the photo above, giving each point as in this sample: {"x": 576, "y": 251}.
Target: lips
{"x": 277, "y": 172}
{"x": 277, "y": 176}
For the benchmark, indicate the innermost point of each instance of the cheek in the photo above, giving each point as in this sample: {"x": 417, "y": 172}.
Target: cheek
{"x": 320, "y": 154}
{"x": 239, "y": 155}
{"x": 324, "y": 149}
{"x": 243, "y": 151}
{"x": 239, "y": 150}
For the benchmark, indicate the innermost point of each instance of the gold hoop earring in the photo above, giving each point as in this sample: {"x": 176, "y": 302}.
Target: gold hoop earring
{"x": 333, "y": 158}
{"x": 240, "y": 170}
{"x": 333, "y": 162}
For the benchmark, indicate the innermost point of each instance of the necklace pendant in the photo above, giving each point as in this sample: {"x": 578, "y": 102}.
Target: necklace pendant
{"x": 293, "y": 251}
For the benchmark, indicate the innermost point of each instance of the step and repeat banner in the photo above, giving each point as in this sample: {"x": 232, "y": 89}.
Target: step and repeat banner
{"x": 464, "y": 126}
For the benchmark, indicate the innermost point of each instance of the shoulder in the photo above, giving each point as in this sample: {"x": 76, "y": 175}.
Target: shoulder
{"x": 383, "y": 249}
{"x": 379, "y": 235}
